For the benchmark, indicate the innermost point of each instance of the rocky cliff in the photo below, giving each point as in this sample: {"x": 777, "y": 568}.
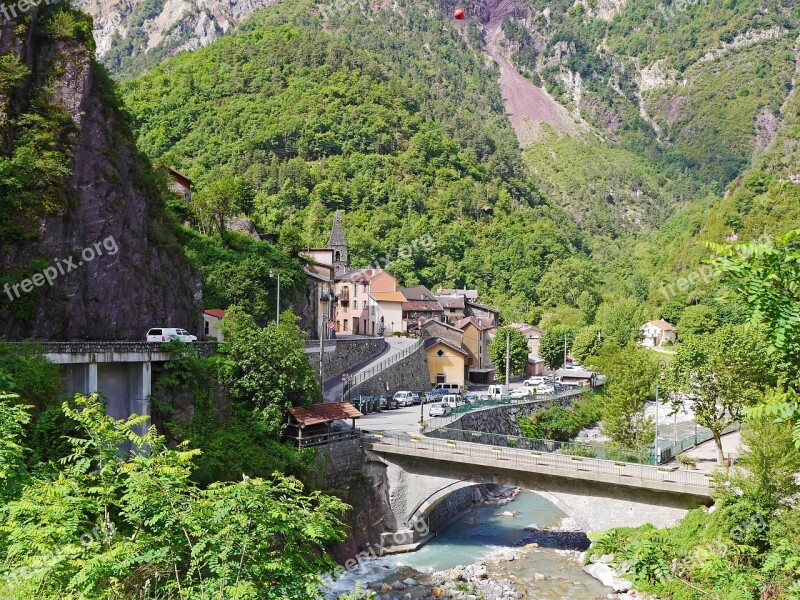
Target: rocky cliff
{"x": 86, "y": 248}
{"x": 132, "y": 34}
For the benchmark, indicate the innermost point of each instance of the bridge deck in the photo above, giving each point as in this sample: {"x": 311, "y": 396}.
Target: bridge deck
{"x": 557, "y": 465}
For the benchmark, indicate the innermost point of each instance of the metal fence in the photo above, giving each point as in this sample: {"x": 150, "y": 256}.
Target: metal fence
{"x": 434, "y": 423}
{"x": 529, "y": 460}
{"x": 581, "y": 449}
{"x": 366, "y": 374}
{"x": 701, "y": 436}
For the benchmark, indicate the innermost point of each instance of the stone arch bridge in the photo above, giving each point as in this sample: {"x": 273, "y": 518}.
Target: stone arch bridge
{"x": 421, "y": 472}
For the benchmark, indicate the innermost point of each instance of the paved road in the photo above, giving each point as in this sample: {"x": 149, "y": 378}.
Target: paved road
{"x": 333, "y": 387}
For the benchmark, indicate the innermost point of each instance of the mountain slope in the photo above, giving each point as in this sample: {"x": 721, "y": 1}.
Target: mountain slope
{"x": 71, "y": 179}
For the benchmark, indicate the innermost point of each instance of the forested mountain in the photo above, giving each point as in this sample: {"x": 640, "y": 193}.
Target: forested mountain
{"x": 394, "y": 114}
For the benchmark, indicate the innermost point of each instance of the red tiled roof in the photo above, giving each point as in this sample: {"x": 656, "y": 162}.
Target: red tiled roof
{"x": 216, "y": 312}
{"x": 317, "y": 414}
{"x": 422, "y": 306}
{"x": 476, "y": 321}
{"x": 451, "y": 301}
{"x": 662, "y": 324}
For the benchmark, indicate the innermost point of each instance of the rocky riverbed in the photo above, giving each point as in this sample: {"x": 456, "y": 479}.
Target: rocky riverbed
{"x": 508, "y": 560}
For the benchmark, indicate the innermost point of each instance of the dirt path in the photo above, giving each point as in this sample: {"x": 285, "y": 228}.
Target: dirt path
{"x": 527, "y": 105}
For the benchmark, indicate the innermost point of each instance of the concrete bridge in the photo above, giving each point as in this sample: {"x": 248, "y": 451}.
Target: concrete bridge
{"x": 421, "y": 472}
{"x": 121, "y": 371}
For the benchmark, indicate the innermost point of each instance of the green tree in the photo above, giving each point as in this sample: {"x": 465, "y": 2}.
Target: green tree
{"x": 518, "y": 350}
{"x": 620, "y": 320}
{"x": 565, "y": 280}
{"x": 697, "y": 320}
{"x": 588, "y": 342}
{"x": 113, "y": 524}
{"x": 720, "y": 375}
{"x": 631, "y": 375}
{"x": 765, "y": 275}
{"x": 552, "y": 345}
{"x": 265, "y": 369}
{"x": 218, "y": 201}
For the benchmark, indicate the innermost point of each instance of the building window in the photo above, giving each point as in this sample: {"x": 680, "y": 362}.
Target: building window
{"x": 365, "y": 305}
{"x": 441, "y": 378}
{"x": 440, "y": 353}
{"x": 337, "y": 257}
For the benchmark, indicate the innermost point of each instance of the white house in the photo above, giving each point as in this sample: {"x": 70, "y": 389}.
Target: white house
{"x": 657, "y": 333}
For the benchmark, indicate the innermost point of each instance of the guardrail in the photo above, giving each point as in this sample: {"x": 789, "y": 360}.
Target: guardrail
{"x": 636, "y": 475}
{"x": 89, "y": 347}
{"x": 367, "y": 374}
{"x": 324, "y": 438}
{"x": 581, "y": 449}
{"x": 434, "y": 423}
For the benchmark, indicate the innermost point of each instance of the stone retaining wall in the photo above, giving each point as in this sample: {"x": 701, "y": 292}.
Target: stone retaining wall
{"x": 341, "y": 356}
{"x": 410, "y": 374}
{"x": 336, "y": 464}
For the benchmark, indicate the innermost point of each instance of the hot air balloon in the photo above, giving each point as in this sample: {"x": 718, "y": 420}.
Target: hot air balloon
{"x": 459, "y": 14}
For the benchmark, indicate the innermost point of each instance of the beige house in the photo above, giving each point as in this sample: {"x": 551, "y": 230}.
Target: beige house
{"x": 478, "y": 334}
{"x": 389, "y": 314}
{"x": 534, "y": 336}
{"x": 446, "y": 361}
{"x": 657, "y": 333}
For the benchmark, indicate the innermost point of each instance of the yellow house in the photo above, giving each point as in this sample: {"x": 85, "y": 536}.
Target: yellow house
{"x": 478, "y": 334}
{"x": 446, "y": 361}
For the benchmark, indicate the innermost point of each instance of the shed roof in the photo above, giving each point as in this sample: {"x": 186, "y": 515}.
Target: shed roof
{"x": 317, "y": 414}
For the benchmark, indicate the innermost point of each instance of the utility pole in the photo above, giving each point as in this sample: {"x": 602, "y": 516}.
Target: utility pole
{"x": 278, "y": 303}
{"x": 321, "y": 344}
{"x": 655, "y": 443}
{"x": 508, "y": 360}
{"x": 565, "y": 349}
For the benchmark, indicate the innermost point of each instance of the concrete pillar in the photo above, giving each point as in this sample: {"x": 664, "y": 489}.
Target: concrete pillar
{"x": 140, "y": 402}
{"x": 91, "y": 378}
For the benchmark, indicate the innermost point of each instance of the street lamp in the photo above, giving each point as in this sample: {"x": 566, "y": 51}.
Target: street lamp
{"x": 273, "y": 274}
{"x": 662, "y": 365}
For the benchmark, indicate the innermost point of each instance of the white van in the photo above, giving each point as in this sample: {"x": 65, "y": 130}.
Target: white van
{"x": 497, "y": 391}
{"x": 167, "y": 334}
{"x": 453, "y": 388}
{"x": 454, "y": 400}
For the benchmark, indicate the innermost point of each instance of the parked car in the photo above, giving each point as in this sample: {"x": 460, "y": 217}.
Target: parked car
{"x": 404, "y": 398}
{"x": 415, "y": 398}
{"x": 470, "y": 398}
{"x": 534, "y": 381}
{"x": 452, "y": 388}
{"x": 428, "y": 397}
{"x": 498, "y": 391}
{"x": 439, "y": 409}
{"x": 387, "y": 403}
{"x": 520, "y": 393}
{"x": 485, "y": 398}
{"x": 167, "y": 334}
{"x": 453, "y": 400}
{"x": 545, "y": 389}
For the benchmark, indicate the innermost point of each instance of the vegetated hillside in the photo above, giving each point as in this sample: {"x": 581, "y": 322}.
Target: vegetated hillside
{"x": 74, "y": 186}
{"x": 696, "y": 85}
{"x": 307, "y": 123}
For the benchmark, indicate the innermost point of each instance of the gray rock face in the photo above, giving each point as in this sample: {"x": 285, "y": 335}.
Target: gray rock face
{"x": 169, "y": 27}
{"x": 129, "y": 273}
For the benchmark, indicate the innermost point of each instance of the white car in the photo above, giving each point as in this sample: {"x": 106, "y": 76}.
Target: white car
{"x": 167, "y": 334}
{"x": 535, "y": 381}
{"x": 520, "y": 393}
{"x": 545, "y": 389}
{"x": 404, "y": 398}
{"x": 439, "y": 409}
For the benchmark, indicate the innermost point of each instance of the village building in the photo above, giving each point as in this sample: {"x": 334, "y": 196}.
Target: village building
{"x": 658, "y": 333}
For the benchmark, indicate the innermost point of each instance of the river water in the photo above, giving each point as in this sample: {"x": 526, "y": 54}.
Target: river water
{"x": 479, "y": 536}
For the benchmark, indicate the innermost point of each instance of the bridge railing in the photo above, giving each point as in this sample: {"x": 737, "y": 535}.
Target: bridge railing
{"x": 580, "y": 449}
{"x": 533, "y": 460}
{"x": 435, "y": 423}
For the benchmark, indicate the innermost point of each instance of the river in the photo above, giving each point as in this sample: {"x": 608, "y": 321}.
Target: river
{"x": 479, "y": 536}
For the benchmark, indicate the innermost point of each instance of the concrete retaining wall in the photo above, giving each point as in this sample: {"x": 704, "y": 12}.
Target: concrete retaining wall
{"x": 341, "y": 356}
{"x": 411, "y": 374}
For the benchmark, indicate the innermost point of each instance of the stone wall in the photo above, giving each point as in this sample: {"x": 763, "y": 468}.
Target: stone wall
{"x": 455, "y": 505}
{"x": 503, "y": 419}
{"x": 336, "y": 464}
{"x": 411, "y": 374}
{"x": 341, "y": 356}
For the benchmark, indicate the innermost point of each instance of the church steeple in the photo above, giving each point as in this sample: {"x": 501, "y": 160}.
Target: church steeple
{"x": 338, "y": 243}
